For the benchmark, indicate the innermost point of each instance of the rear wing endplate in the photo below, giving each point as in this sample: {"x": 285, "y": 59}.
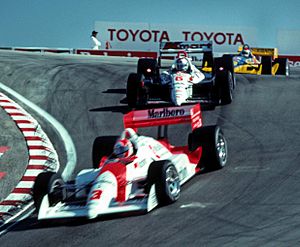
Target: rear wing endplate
{"x": 164, "y": 116}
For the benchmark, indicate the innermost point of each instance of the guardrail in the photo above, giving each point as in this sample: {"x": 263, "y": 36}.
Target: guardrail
{"x": 293, "y": 59}
{"x": 119, "y": 53}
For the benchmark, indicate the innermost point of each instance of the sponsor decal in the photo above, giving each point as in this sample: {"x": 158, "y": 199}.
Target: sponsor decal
{"x": 165, "y": 112}
{"x": 218, "y": 38}
{"x": 144, "y": 35}
{"x": 137, "y": 35}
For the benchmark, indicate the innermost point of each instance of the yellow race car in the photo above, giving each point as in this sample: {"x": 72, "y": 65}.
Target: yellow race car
{"x": 260, "y": 61}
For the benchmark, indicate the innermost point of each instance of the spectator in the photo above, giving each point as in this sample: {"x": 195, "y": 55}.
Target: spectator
{"x": 96, "y": 44}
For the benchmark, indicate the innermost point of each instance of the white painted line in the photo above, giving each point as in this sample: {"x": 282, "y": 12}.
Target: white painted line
{"x": 39, "y": 152}
{"x": 25, "y": 184}
{"x": 27, "y": 125}
{"x": 35, "y": 143}
{"x": 195, "y": 205}
{"x": 32, "y": 172}
{"x": 18, "y": 118}
{"x": 36, "y": 162}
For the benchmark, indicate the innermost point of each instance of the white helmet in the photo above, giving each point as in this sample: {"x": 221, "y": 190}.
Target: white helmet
{"x": 182, "y": 64}
{"x": 128, "y": 133}
{"x": 123, "y": 148}
{"x": 246, "y": 51}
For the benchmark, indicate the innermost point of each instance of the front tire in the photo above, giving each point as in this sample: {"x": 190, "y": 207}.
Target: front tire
{"x": 49, "y": 183}
{"x": 163, "y": 174}
{"x": 132, "y": 89}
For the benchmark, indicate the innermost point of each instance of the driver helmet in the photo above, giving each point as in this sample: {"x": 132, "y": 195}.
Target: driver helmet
{"x": 123, "y": 148}
{"x": 182, "y": 64}
{"x": 128, "y": 133}
{"x": 246, "y": 51}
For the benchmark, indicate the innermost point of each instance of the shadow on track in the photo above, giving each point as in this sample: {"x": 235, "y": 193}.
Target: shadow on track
{"x": 116, "y": 91}
{"x": 32, "y": 222}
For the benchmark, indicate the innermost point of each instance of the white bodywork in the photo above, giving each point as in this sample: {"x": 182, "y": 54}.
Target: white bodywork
{"x": 181, "y": 83}
{"x": 102, "y": 191}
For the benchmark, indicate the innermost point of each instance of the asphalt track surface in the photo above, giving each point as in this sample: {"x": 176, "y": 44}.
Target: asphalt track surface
{"x": 254, "y": 201}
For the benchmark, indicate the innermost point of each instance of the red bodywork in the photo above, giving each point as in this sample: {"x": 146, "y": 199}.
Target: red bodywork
{"x": 167, "y": 116}
{"x": 156, "y": 117}
{"x": 164, "y": 116}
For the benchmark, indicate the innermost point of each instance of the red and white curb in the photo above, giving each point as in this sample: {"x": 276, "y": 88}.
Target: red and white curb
{"x": 42, "y": 155}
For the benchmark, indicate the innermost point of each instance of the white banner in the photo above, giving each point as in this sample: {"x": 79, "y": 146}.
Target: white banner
{"x": 146, "y": 36}
{"x": 288, "y": 41}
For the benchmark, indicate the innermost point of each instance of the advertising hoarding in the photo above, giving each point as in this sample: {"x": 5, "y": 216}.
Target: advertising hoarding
{"x": 146, "y": 36}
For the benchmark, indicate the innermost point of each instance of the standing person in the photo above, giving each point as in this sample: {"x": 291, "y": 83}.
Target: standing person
{"x": 96, "y": 44}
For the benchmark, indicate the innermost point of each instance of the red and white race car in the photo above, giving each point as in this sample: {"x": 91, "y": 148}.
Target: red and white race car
{"x": 147, "y": 174}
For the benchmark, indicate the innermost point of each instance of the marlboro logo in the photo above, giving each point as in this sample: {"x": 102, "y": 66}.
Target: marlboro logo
{"x": 165, "y": 112}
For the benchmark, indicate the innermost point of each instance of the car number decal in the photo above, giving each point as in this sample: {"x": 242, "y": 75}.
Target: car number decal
{"x": 96, "y": 195}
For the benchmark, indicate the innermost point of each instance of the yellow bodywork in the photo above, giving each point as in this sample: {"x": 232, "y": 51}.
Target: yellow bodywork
{"x": 262, "y": 51}
{"x": 256, "y": 68}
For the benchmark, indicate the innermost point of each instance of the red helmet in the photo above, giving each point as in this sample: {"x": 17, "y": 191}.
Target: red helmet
{"x": 123, "y": 148}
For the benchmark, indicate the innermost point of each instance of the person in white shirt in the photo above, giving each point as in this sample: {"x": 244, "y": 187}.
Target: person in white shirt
{"x": 96, "y": 44}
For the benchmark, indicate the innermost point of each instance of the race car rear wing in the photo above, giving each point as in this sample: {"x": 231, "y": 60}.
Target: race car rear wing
{"x": 187, "y": 46}
{"x": 164, "y": 116}
{"x": 170, "y": 50}
{"x": 262, "y": 51}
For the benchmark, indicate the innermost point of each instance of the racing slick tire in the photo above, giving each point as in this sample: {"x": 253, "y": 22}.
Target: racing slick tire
{"x": 132, "y": 89}
{"x": 225, "y": 86}
{"x": 229, "y": 65}
{"x": 102, "y": 146}
{"x": 163, "y": 174}
{"x": 214, "y": 146}
{"x": 266, "y": 63}
{"x": 284, "y": 66}
{"x": 50, "y": 183}
{"x": 148, "y": 67}
{"x": 136, "y": 94}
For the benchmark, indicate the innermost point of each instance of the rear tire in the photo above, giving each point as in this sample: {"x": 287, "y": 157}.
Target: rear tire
{"x": 225, "y": 80}
{"x": 103, "y": 146}
{"x": 214, "y": 146}
{"x": 164, "y": 176}
{"x": 148, "y": 67}
{"x": 266, "y": 63}
{"x": 132, "y": 89}
{"x": 284, "y": 66}
{"x": 224, "y": 86}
